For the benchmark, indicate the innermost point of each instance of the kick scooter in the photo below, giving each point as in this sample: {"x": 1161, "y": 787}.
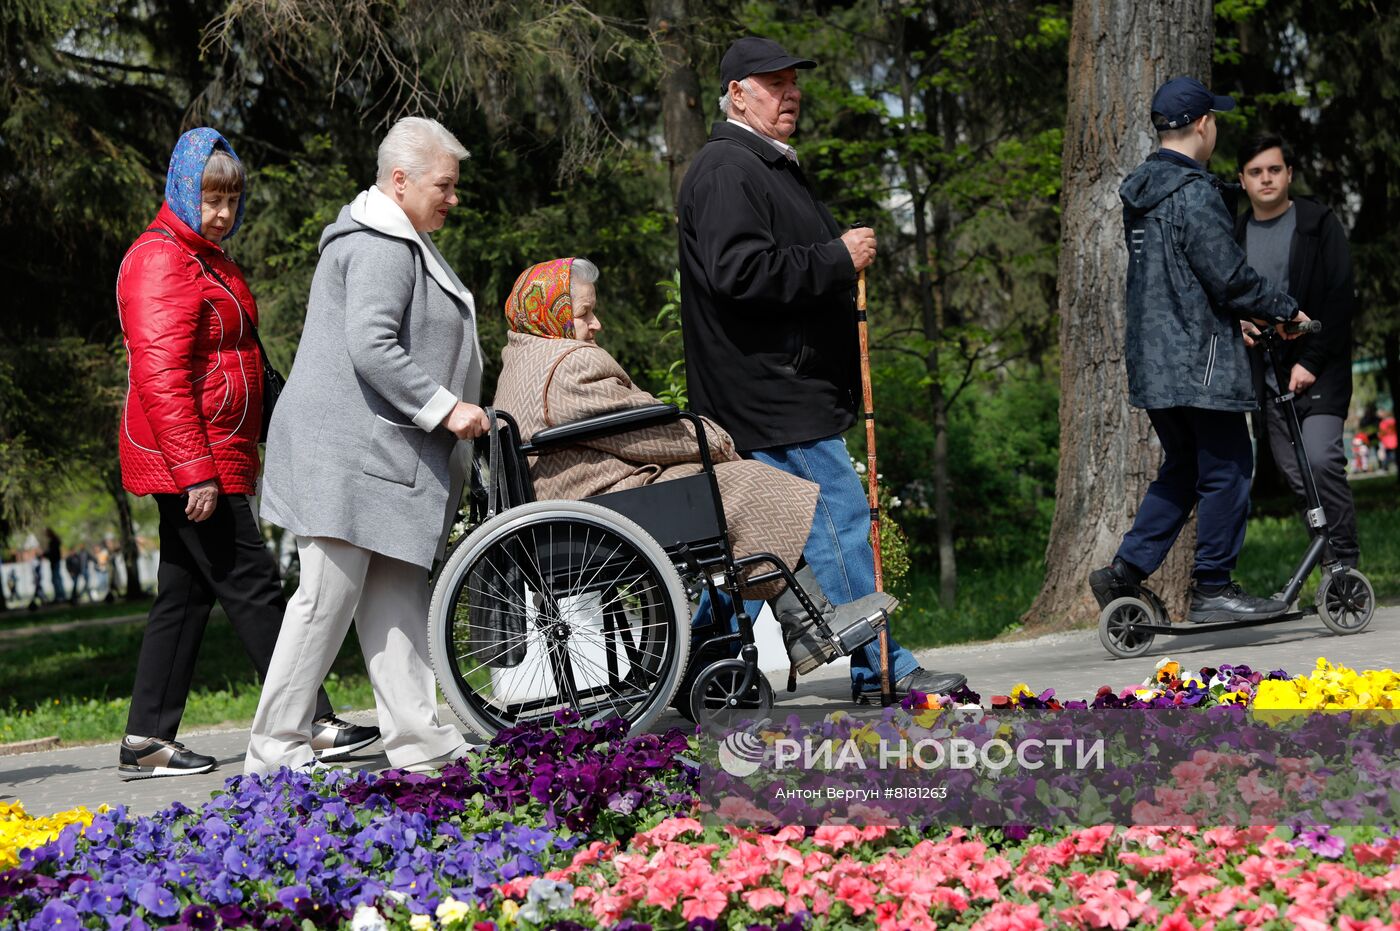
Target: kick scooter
{"x": 1345, "y": 599}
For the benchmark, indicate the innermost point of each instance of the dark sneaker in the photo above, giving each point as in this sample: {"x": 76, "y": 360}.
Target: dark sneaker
{"x": 1112, "y": 582}
{"x": 332, "y": 738}
{"x": 1231, "y": 604}
{"x": 150, "y": 757}
{"x": 923, "y": 680}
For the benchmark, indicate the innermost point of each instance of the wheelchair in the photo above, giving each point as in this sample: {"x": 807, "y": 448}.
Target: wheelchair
{"x": 586, "y": 605}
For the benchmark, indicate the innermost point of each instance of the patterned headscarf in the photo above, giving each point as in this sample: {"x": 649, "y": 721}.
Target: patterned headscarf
{"x": 184, "y": 182}
{"x": 540, "y": 304}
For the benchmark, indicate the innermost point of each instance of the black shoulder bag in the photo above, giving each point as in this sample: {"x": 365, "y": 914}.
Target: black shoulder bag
{"x": 272, "y": 380}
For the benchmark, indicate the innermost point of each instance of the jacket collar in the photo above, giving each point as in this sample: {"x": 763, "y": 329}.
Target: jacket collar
{"x": 168, "y": 220}
{"x": 378, "y": 211}
{"x": 750, "y": 140}
{"x": 1309, "y": 216}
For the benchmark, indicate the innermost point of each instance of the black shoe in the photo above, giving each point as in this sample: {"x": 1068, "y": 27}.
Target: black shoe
{"x": 1231, "y": 604}
{"x": 332, "y": 738}
{"x": 1112, "y": 582}
{"x": 921, "y": 679}
{"x": 150, "y": 757}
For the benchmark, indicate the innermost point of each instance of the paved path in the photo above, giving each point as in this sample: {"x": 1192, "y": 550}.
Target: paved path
{"x": 1073, "y": 663}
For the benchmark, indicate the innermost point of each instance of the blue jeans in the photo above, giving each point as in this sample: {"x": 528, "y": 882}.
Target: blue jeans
{"x": 838, "y": 546}
{"x": 1206, "y": 464}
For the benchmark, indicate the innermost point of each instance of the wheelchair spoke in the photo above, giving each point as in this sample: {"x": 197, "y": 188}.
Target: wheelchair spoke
{"x": 569, "y": 606}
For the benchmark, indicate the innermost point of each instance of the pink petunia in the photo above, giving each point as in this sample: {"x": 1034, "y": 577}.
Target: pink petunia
{"x": 1009, "y": 916}
{"x": 759, "y": 899}
{"x": 1176, "y": 921}
{"x": 1309, "y": 917}
{"x": 856, "y": 893}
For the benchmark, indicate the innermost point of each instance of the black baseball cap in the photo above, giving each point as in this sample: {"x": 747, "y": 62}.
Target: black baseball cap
{"x": 1182, "y": 101}
{"x": 756, "y": 55}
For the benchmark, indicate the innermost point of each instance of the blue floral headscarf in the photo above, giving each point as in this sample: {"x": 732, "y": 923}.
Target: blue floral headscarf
{"x": 184, "y": 182}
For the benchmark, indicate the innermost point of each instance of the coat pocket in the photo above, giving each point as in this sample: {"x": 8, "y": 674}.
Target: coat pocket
{"x": 395, "y": 450}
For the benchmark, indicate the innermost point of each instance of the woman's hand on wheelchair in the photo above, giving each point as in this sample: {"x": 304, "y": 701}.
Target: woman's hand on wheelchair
{"x": 466, "y": 421}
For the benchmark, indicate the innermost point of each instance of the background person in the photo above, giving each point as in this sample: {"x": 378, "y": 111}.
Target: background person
{"x": 1188, "y": 285}
{"x": 189, "y": 437}
{"x": 53, "y": 552}
{"x": 553, "y": 372}
{"x": 1298, "y": 245}
{"x": 769, "y": 322}
{"x": 361, "y": 462}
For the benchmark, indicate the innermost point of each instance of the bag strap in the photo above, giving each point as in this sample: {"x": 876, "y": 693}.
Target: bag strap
{"x": 209, "y": 270}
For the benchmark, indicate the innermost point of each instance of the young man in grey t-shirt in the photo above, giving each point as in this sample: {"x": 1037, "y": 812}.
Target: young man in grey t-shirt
{"x": 1299, "y": 245}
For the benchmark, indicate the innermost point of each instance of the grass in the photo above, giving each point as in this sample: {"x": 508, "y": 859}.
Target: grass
{"x": 1276, "y": 539}
{"x": 20, "y": 616}
{"x": 78, "y": 685}
{"x": 991, "y": 600}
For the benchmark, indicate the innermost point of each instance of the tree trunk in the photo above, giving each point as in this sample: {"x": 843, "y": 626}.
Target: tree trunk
{"x": 1120, "y": 52}
{"x": 682, "y": 107}
{"x": 130, "y": 552}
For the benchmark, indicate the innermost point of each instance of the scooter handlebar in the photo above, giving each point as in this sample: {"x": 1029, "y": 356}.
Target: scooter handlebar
{"x": 1305, "y": 326}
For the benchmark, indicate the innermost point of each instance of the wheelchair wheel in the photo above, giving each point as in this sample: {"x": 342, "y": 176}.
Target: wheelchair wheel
{"x": 1118, "y": 627}
{"x": 716, "y": 701}
{"x": 1346, "y": 602}
{"x": 554, "y": 605}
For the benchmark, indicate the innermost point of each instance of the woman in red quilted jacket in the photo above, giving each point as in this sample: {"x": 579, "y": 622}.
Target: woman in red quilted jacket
{"x": 189, "y": 437}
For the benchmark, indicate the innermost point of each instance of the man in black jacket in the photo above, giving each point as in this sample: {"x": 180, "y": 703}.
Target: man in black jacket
{"x": 1299, "y": 244}
{"x": 769, "y": 321}
{"x": 1188, "y": 285}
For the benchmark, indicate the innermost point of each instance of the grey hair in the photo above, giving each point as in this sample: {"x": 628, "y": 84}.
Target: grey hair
{"x": 726, "y": 102}
{"x": 582, "y": 270}
{"x": 413, "y": 144}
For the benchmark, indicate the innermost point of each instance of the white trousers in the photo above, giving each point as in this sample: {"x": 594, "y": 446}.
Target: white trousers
{"x": 388, "y": 601}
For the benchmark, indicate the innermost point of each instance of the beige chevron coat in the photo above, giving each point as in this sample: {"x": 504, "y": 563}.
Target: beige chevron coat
{"x": 547, "y": 382}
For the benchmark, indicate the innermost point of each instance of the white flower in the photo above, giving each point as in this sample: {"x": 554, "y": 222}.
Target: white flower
{"x": 367, "y": 918}
{"x": 420, "y": 923}
{"x": 860, "y": 467}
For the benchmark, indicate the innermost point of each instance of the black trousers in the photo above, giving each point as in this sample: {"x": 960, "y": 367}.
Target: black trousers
{"x": 224, "y": 559}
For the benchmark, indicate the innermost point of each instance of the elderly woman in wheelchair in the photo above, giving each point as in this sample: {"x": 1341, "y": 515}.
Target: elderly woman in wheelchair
{"x": 604, "y": 510}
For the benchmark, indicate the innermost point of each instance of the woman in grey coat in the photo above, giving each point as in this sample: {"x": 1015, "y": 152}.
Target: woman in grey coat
{"x": 360, "y": 461}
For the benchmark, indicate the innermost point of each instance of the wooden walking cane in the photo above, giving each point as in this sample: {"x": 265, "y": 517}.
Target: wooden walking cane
{"x": 886, "y": 689}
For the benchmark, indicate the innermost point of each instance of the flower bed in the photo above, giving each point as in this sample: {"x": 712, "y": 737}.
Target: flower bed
{"x": 571, "y": 827}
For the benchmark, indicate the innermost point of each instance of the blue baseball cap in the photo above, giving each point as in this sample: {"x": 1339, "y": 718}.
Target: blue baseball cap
{"x": 1182, "y": 101}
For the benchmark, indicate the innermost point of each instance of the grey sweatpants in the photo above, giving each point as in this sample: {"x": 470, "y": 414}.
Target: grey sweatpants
{"x": 1322, "y": 439}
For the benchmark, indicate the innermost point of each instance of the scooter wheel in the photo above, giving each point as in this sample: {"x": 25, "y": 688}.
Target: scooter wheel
{"x": 1119, "y": 623}
{"x": 717, "y": 702}
{"x": 1346, "y": 601}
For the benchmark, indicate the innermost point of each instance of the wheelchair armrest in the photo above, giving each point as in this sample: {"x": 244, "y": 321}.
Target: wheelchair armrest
{"x": 619, "y": 421}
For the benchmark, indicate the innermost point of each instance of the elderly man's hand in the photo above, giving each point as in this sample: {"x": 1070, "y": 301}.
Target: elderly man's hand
{"x": 466, "y": 421}
{"x": 201, "y": 500}
{"x": 860, "y": 243}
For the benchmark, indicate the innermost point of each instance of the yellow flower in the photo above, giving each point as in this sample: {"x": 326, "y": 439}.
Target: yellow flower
{"x": 508, "y": 909}
{"x": 451, "y": 912}
{"x": 420, "y": 923}
{"x": 18, "y": 830}
{"x": 1019, "y": 691}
